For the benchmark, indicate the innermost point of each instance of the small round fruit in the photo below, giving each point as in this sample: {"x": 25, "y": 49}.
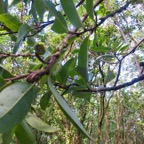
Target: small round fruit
{"x": 40, "y": 49}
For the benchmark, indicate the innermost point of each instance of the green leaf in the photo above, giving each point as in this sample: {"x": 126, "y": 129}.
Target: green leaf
{"x": 1, "y": 6}
{"x": 85, "y": 95}
{"x": 110, "y": 76}
{"x": 15, "y": 2}
{"x": 51, "y": 7}
{"x": 4, "y": 73}
{"x": 67, "y": 110}
{"x": 39, "y": 124}
{"x": 1, "y": 138}
{"x": 2, "y": 81}
{"x": 89, "y": 8}
{"x": 63, "y": 73}
{"x": 22, "y": 32}
{"x": 10, "y": 22}
{"x": 106, "y": 56}
{"x": 71, "y": 12}
{"x": 24, "y": 134}
{"x": 15, "y": 101}
{"x": 58, "y": 28}
{"x": 44, "y": 101}
{"x": 83, "y": 60}
{"x": 7, "y": 137}
{"x": 101, "y": 49}
{"x": 71, "y": 39}
{"x": 33, "y": 12}
{"x": 40, "y": 8}
{"x": 5, "y": 6}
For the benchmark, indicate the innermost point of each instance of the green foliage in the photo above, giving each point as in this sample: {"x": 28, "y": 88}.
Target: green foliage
{"x": 67, "y": 110}
{"x": 22, "y": 95}
{"x": 59, "y": 62}
{"x": 83, "y": 60}
{"x": 89, "y": 8}
{"x": 60, "y": 21}
{"x": 22, "y": 32}
{"x": 24, "y": 133}
{"x": 38, "y": 124}
{"x": 10, "y": 22}
{"x": 71, "y": 12}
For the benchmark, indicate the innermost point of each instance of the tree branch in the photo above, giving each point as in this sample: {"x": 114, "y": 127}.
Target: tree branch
{"x": 133, "y": 81}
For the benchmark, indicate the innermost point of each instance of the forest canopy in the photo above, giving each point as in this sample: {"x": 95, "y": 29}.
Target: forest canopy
{"x": 71, "y": 71}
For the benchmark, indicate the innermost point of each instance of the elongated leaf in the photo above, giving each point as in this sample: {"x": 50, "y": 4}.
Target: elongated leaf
{"x": 39, "y": 124}
{"x": 106, "y": 56}
{"x": 33, "y": 12}
{"x": 110, "y": 76}
{"x": 2, "y": 82}
{"x": 5, "y": 6}
{"x": 40, "y": 8}
{"x": 0, "y": 137}
{"x": 57, "y": 27}
{"x": 63, "y": 73}
{"x": 44, "y": 101}
{"x": 10, "y": 22}
{"x": 51, "y": 7}
{"x": 24, "y": 134}
{"x": 83, "y": 60}
{"x": 22, "y": 32}
{"x": 85, "y": 95}
{"x": 1, "y": 6}
{"x": 4, "y": 73}
{"x": 15, "y": 2}
{"x": 67, "y": 110}
{"x": 71, "y": 12}
{"x": 15, "y": 101}
{"x": 89, "y": 8}
{"x": 7, "y": 137}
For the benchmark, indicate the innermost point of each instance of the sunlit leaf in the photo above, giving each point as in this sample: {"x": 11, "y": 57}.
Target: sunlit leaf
{"x": 24, "y": 134}
{"x": 71, "y": 12}
{"x": 39, "y": 124}
{"x": 67, "y": 110}
{"x": 15, "y": 101}
{"x": 10, "y": 22}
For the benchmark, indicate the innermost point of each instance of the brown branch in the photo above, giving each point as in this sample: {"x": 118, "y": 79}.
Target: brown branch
{"x": 7, "y": 33}
{"x": 114, "y": 88}
{"x": 17, "y": 77}
{"x": 102, "y": 20}
{"x": 113, "y": 13}
{"x": 5, "y": 55}
{"x": 36, "y": 75}
{"x": 133, "y": 49}
{"x": 119, "y": 70}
